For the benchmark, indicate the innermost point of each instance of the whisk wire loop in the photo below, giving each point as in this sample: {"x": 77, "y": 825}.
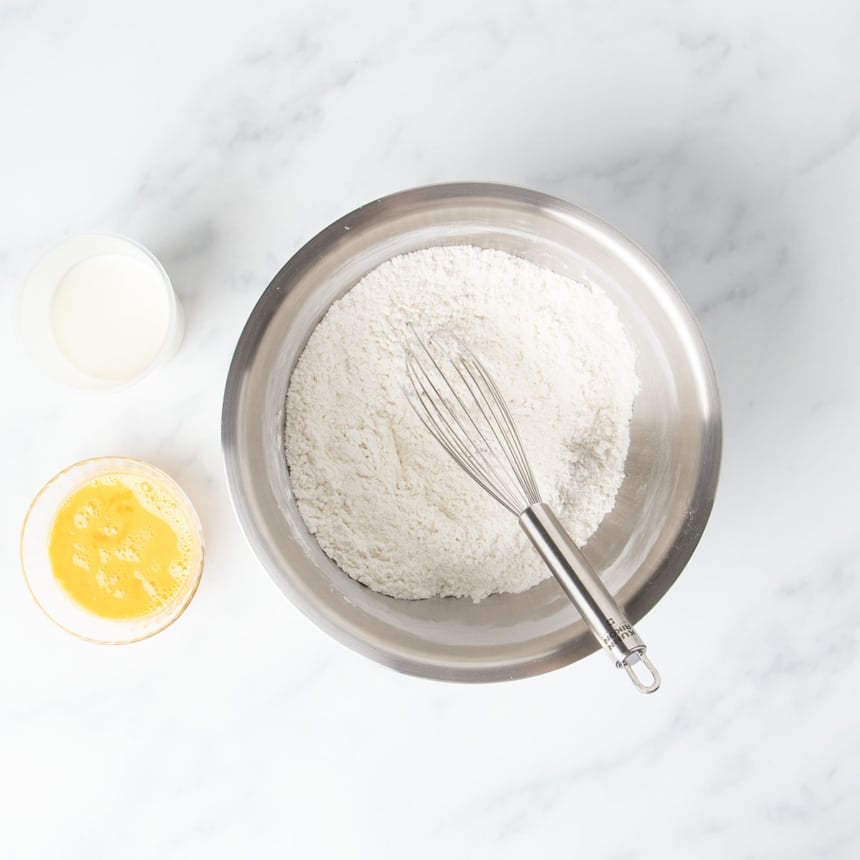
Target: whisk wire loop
{"x": 501, "y": 423}
{"x": 467, "y": 415}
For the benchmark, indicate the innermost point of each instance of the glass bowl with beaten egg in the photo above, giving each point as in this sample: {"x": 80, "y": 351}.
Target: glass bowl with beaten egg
{"x": 112, "y": 550}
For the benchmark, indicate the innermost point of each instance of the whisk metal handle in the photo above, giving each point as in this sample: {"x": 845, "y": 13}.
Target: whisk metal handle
{"x": 588, "y": 594}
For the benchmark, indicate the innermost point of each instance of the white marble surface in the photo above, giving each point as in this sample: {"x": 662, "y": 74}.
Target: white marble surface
{"x": 724, "y": 138}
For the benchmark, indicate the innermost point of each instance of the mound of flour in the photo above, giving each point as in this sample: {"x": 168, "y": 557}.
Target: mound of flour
{"x": 383, "y": 499}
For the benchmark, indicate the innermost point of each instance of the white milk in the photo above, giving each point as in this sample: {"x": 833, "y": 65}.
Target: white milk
{"x": 98, "y": 311}
{"x": 110, "y": 316}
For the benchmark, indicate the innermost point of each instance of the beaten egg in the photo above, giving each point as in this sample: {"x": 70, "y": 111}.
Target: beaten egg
{"x": 121, "y": 546}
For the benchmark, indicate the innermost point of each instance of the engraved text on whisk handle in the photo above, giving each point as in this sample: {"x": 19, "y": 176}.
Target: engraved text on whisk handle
{"x": 588, "y": 594}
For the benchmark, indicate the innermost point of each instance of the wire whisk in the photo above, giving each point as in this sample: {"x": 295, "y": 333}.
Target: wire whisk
{"x": 460, "y": 404}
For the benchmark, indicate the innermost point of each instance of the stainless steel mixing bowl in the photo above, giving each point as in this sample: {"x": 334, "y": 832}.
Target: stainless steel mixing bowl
{"x": 672, "y": 466}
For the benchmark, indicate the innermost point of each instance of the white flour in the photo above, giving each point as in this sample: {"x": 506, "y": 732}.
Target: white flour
{"x": 383, "y": 499}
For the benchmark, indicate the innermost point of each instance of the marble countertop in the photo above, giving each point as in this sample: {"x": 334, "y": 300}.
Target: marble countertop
{"x": 725, "y": 139}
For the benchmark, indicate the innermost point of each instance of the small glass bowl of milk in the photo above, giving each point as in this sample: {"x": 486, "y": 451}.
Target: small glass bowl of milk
{"x": 98, "y": 311}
